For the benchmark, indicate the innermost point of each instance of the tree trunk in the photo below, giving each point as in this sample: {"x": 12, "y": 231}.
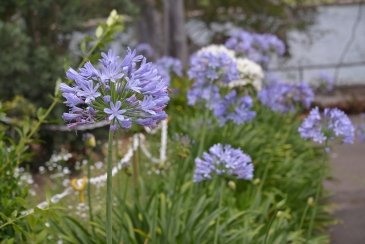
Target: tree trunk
{"x": 149, "y": 29}
{"x": 177, "y": 41}
{"x": 164, "y": 32}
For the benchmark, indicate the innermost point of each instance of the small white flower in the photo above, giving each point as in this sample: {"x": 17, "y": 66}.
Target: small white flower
{"x": 250, "y": 73}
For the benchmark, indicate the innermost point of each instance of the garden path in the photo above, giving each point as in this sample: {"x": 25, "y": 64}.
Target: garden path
{"x": 348, "y": 188}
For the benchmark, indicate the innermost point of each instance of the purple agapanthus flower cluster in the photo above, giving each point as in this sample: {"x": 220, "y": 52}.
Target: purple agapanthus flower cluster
{"x": 254, "y": 46}
{"x": 326, "y": 82}
{"x": 210, "y": 67}
{"x": 212, "y": 63}
{"x": 284, "y": 97}
{"x": 333, "y": 124}
{"x": 167, "y": 65}
{"x": 223, "y": 160}
{"x": 214, "y": 68}
{"x": 122, "y": 91}
{"x": 234, "y": 108}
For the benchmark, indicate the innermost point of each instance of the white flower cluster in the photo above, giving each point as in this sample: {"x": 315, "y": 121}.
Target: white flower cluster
{"x": 214, "y": 49}
{"x": 250, "y": 73}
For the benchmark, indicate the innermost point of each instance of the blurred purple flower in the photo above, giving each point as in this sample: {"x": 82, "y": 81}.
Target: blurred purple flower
{"x": 326, "y": 82}
{"x": 339, "y": 124}
{"x": 223, "y": 160}
{"x": 257, "y": 47}
{"x": 210, "y": 67}
{"x": 234, "y": 108}
{"x": 311, "y": 127}
{"x": 284, "y": 97}
{"x": 167, "y": 65}
{"x": 146, "y": 50}
{"x": 332, "y": 125}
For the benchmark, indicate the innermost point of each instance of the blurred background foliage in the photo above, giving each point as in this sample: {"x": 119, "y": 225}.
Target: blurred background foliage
{"x": 36, "y": 35}
{"x": 34, "y": 43}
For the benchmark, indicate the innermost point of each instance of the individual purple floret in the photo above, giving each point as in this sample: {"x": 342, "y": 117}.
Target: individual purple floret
{"x": 167, "y": 65}
{"x": 223, "y": 160}
{"x": 333, "y": 124}
{"x": 210, "y": 67}
{"x": 234, "y": 108}
{"x": 122, "y": 91}
{"x": 284, "y": 97}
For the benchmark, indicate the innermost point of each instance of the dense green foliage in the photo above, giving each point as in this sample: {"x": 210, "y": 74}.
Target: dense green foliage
{"x": 167, "y": 207}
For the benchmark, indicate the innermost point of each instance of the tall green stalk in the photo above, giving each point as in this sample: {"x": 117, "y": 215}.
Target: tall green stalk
{"x": 317, "y": 196}
{"x": 135, "y": 167}
{"x": 219, "y": 207}
{"x": 89, "y": 195}
{"x": 203, "y": 133}
{"x": 109, "y": 195}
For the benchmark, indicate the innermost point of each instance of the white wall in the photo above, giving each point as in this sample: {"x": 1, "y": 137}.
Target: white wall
{"x": 324, "y": 44}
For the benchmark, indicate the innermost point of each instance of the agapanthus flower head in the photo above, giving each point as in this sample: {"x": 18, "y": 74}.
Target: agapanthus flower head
{"x": 311, "y": 127}
{"x": 240, "y": 41}
{"x": 326, "y": 82}
{"x": 284, "y": 97}
{"x": 267, "y": 43}
{"x": 256, "y": 47}
{"x": 249, "y": 73}
{"x": 333, "y": 124}
{"x": 122, "y": 91}
{"x": 233, "y": 108}
{"x": 211, "y": 67}
{"x": 214, "y": 62}
{"x": 223, "y": 160}
{"x": 167, "y": 65}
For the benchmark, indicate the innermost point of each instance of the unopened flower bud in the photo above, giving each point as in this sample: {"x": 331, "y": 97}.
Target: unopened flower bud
{"x": 310, "y": 201}
{"x": 161, "y": 166}
{"x": 90, "y": 140}
{"x": 232, "y": 185}
{"x": 280, "y": 214}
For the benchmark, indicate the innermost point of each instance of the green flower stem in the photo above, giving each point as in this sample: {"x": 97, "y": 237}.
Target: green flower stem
{"x": 21, "y": 147}
{"x": 135, "y": 168}
{"x": 219, "y": 206}
{"x": 109, "y": 195}
{"x": 262, "y": 182}
{"x": 91, "y": 217}
{"x": 316, "y": 198}
{"x": 303, "y": 216}
{"x": 203, "y": 133}
{"x": 269, "y": 228}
